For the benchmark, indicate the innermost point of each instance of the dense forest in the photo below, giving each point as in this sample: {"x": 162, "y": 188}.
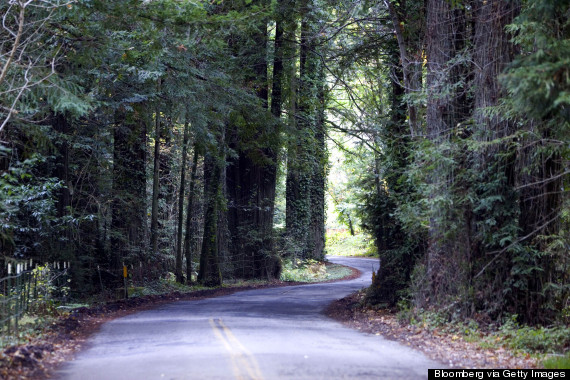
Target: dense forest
{"x": 159, "y": 135}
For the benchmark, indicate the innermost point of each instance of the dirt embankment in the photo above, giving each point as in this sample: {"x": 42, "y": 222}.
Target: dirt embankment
{"x": 449, "y": 349}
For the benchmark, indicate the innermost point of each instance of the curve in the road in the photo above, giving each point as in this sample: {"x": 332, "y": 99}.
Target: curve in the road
{"x": 275, "y": 333}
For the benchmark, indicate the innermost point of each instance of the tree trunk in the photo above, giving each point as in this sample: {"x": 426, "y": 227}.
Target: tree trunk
{"x": 319, "y": 175}
{"x": 155, "y": 183}
{"x": 493, "y": 51}
{"x": 180, "y": 237}
{"x": 445, "y": 258}
{"x": 129, "y": 187}
{"x": 188, "y": 244}
{"x": 62, "y": 165}
{"x": 306, "y": 157}
{"x": 283, "y": 10}
{"x": 210, "y": 274}
{"x": 410, "y": 57}
{"x": 252, "y": 175}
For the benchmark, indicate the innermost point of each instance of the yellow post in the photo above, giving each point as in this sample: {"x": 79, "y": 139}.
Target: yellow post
{"x": 125, "y": 281}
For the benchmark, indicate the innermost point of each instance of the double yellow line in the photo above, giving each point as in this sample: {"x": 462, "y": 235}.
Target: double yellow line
{"x": 244, "y": 365}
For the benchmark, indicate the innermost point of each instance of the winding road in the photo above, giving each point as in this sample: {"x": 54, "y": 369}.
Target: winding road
{"x": 276, "y": 333}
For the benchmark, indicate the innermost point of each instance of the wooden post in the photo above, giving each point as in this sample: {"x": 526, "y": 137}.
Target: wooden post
{"x": 125, "y": 281}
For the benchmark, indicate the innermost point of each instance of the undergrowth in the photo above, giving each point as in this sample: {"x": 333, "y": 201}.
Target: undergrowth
{"x": 550, "y": 340}
{"x": 341, "y": 243}
{"x": 30, "y": 326}
{"x": 162, "y": 286}
{"x": 549, "y": 344}
{"x": 557, "y": 362}
{"x": 311, "y": 271}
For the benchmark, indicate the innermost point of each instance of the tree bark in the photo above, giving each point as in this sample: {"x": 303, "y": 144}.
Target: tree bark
{"x": 188, "y": 246}
{"x": 252, "y": 175}
{"x": 410, "y": 53}
{"x": 319, "y": 175}
{"x": 210, "y": 274}
{"x": 306, "y": 157}
{"x": 129, "y": 187}
{"x": 180, "y": 234}
{"x": 445, "y": 258}
{"x": 155, "y": 182}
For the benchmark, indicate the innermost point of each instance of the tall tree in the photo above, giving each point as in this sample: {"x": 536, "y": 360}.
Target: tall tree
{"x": 408, "y": 22}
{"x": 190, "y": 225}
{"x": 180, "y": 229}
{"x": 129, "y": 186}
{"x": 252, "y": 173}
{"x": 445, "y": 23}
{"x": 306, "y": 157}
{"x": 155, "y": 180}
{"x": 210, "y": 273}
{"x": 536, "y": 83}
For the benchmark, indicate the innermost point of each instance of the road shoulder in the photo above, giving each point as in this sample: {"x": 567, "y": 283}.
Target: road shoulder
{"x": 450, "y": 350}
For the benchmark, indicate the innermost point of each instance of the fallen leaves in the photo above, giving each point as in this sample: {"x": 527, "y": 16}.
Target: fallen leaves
{"x": 449, "y": 349}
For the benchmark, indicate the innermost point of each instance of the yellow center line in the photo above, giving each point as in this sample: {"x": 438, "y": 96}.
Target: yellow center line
{"x": 218, "y": 333}
{"x": 255, "y": 372}
{"x": 244, "y": 364}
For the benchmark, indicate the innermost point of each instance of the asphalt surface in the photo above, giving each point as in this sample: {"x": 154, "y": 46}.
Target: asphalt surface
{"x": 277, "y": 333}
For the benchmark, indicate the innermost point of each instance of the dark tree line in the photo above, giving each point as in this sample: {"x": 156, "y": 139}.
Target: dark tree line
{"x": 467, "y": 194}
{"x": 155, "y": 138}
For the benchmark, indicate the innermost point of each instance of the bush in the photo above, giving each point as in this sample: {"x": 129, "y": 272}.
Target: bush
{"x": 303, "y": 271}
{"x": 341, "y": 243}
{"x": 533, "y": 339}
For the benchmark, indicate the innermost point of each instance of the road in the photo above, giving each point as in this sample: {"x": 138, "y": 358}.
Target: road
{"x": 277, "y": 333}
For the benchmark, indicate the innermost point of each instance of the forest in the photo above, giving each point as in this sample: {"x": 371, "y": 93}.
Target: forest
{"x": 193, "y": 137}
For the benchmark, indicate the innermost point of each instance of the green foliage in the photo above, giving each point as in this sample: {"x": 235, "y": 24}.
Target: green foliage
{"x": 162, "y": 286}
{"x": 310, "y": 270}
{"x": 557, "y": 362}
{"x": 27, "y": 210}
{"x": 538, "y": 81}
{"x": 534, "y": 339}
{"x": 341, "y": 243}
{"x": 521, "y": 338}
{"x": 31, "y": 298}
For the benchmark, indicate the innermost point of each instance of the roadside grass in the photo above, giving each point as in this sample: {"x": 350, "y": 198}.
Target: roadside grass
{"x": 549, "y": 345}
{"x": 163, "y": 286}
{"x": 341, "y": 243}
{"x": 337, "y": 272}
{"x": 530, "y": 339}
{"x": 557, "y": 362}
{"x": 312, "y": 271}
{"x": 30, "y": 326}
{"x": 46, "y": 312}
{"x": 34, "y": 323}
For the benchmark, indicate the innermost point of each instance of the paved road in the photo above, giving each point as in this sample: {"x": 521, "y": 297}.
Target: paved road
{"x": 277, "y": 333}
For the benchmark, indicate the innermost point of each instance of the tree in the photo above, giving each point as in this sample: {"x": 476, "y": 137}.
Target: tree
{"x": 306, "y": 157}
{"x": 536, "y": 101}
{"x": 252, "y": 171}
{"x": 210, "y": 273}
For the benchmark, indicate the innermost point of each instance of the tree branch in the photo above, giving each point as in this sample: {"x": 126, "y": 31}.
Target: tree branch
{"x": 16, "y": 44}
